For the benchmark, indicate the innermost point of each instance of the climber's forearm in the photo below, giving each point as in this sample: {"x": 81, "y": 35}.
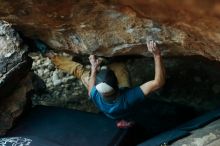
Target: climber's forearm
{"x": 91, "y": 81}
{"x": 159, "y": 71}
{"x": 94, "y": 66}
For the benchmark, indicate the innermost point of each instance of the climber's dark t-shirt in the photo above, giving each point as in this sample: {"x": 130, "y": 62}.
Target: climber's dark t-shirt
{"x": 127, "y": 98}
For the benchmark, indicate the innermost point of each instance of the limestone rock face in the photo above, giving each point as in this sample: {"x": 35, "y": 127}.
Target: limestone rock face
{"x": 14, "y": 63}
{"x": 15, "y": 104}
{"x": 119, "y": 27}
{"x": 199, "y": 20}
{"x": 208, "y": 135}
{"x": 14, "y": 80}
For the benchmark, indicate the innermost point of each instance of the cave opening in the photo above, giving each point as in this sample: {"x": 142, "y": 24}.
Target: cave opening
{"x": 191, "y": 89}
{"x": 190, "y": 80}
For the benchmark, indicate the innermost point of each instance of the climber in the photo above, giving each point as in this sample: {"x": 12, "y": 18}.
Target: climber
{"x": 109, "y": 88}
{"x": 116, "y": 102}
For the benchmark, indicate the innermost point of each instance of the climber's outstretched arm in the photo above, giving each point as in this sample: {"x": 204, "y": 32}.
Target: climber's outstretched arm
{"x": 94, "y": 67}
{"x": 159, "y": 79}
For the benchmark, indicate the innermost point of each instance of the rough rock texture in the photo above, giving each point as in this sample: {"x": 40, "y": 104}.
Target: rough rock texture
{"x": 198, "y": 19}
{"x": 206, "y": 136}
{"x": 109, "y": 29}
{"x": 15, "y": 104}
{"x": 14, "y": 62}
{"x": 14, "y": 82}
{"x": 62, "y": 89}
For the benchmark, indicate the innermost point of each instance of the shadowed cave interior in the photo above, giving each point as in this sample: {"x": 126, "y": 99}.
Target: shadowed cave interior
{"x": 191, "y": 89}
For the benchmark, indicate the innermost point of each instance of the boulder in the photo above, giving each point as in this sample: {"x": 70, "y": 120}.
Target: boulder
{"x": 119, "y": 27}
{"x": 14, "y": 61}
{"x": 205, "y": 136}
{"x": 15, "y": 82}
{"x": 12, "y": 106}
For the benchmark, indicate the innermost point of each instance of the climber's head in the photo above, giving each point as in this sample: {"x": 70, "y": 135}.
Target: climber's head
{"x": 106, "y": 83}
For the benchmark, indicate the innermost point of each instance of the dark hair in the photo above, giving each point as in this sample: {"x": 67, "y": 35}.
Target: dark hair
{"x": 107, "y": 76}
